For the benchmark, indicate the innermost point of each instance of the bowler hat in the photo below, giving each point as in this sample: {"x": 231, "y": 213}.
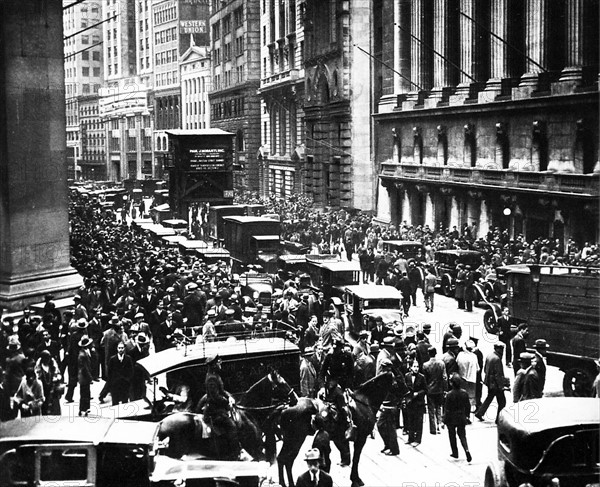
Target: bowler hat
{"x": 540, "y": 343}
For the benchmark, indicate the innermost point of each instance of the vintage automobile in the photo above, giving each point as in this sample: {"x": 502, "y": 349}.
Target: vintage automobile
{"x": 105, "y": 452}
{"x": 364, "y": 300}
{"x": 408, "y": 248}
{"x": 332, "y": 276}
{"x": 550, "y": 442}
{"x": 259, "y": 288}
{"x": 445, "y": 267}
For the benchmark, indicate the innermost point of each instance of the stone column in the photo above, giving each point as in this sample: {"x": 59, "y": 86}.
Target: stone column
{"x": 581, "y": 48}
{"x": 483, "y": 226}
{"x": 403, "y": 10}
{"x": 383, "y": 202}
{"x": 397, "y": 44}
{"x": 420, "y": 56}
{"x": 34, "y": 225}
{"x": 536, "y": 44}
{"x": 429, "y": 211}
{"x": 445, "y": 36}
{"x": 501, "y": 67}
{"x": 472, "y": 52}
{"x": 454, "y": 213}
{"x": 406, "y": 208}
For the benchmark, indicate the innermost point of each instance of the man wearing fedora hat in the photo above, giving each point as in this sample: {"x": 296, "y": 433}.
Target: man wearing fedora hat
{"x": 314, "y": 476}
{"x": 494, "y": 380}
{"x": 72, "y": 352}
{"x": 308, "y": 374}
{"x": 84, "y": 374}
{"x": 527, "y": 381}
{"x": 540, "y": 347}
{"x": 138, "y": 380}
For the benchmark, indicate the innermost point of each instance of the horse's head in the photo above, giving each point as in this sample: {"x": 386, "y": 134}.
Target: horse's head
{"x": 282, "y": 391}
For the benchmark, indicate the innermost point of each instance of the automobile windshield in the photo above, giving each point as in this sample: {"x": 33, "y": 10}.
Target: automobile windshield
{"x": 381, "y": 304}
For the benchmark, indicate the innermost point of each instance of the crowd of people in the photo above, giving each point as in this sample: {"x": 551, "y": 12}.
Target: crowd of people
{"x": 140, "y": 298}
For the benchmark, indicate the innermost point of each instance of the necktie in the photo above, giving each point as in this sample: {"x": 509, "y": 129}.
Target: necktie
{"x": 314, "y": 480}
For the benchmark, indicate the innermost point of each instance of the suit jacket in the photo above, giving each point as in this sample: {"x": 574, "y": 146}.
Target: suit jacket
{"x": 305, "y": 480}
{"x": 417, "y": 388}
{"x": 457, "y": 407}
{"x": 120, "y": 372}
{"x": 494, "y": 372}
{"x": 434, "y": 371}
{"x": 518, "y": 347}
{"x": 84, "y": 362}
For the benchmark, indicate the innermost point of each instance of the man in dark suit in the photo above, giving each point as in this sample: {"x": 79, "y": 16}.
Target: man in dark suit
{"x": 120, "y": 373}
{"x": 505, "y": 334}
{"x": 314, "y": 476}
{"x": 379, "y": 331}
{"x": 519, "y": 345}
{"x": 415, "y": 403}
{"x": 494, "y": 381}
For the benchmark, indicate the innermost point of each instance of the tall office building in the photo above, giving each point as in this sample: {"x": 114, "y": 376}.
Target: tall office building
{"x": 124, "y": 98}
{"x": 175, "y": 24}
{"x": 281, "y": 156}
{"x": 195, "y": 78}
{"x": 234, "y": 101}
{"x": 83, "y": 73}
{"x": 339, "y": 169}
{"x": 488, "y": 115}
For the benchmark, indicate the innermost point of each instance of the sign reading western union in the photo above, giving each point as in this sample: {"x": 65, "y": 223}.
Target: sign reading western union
{"x": 192, "y": 26}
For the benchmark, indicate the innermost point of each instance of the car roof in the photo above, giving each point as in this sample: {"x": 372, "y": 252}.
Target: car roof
{"x": 537, "y": 415}
{"x": 265, "y": 237}
{"x": 458, "y": 252}
{"x": 403, "y": 242}
{"x": 249, "y": 219}
{"x": 372, "y": 291}
{"x": 174, "y": 359}
{"x": 340, "y": 266}
{"x": 69, "y": 429}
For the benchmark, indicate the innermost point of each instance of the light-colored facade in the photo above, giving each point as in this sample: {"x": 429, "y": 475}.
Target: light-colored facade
{"x": 83, "y": 70}
{"x": 498, "y": 124}
{"x": 281, "y": 156}
{"x": 195, "y": 85}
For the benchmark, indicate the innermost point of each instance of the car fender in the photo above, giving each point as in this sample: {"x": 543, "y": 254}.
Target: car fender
{"x": 494, "y": 475}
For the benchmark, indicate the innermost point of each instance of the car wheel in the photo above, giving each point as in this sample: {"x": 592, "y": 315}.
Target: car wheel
{"x": 577, "y": 383}
{"x": 447, "y": 287}
{"x": 494, "y": 476}
{"x": 489, "y": 321}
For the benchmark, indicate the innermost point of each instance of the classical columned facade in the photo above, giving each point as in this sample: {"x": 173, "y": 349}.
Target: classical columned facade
{"x": 489, "y": 116}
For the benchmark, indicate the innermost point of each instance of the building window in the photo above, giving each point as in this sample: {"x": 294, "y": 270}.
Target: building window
{"x": 85, "y": 55}
{"x": 96, "y": 55}
{"x": 85, "y": 71}
{"x": 85, "y": 39}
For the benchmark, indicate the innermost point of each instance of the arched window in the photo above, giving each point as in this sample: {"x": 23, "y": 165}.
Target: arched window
{"x": 323, "y": 90}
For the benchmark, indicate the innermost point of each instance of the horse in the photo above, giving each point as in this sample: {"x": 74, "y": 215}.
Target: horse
{"x": 295, "y": 425}
{"x": 188, "y": 434}
{"x": 263, "y": 403}
{"x": 257, "y": 410}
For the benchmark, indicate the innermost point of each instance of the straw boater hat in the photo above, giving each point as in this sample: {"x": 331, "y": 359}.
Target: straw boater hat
{"x": 85, "y": 341}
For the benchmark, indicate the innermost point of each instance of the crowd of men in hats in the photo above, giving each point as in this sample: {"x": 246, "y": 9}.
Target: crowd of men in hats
{"x": 138, "y": 299}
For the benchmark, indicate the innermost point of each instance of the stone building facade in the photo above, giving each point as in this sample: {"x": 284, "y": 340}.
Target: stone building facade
{"x": 281, "y": 156}
{"x": 339, "y": 169}
{"x": 487, "y": 115}
{"x": 234, "y": 99}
